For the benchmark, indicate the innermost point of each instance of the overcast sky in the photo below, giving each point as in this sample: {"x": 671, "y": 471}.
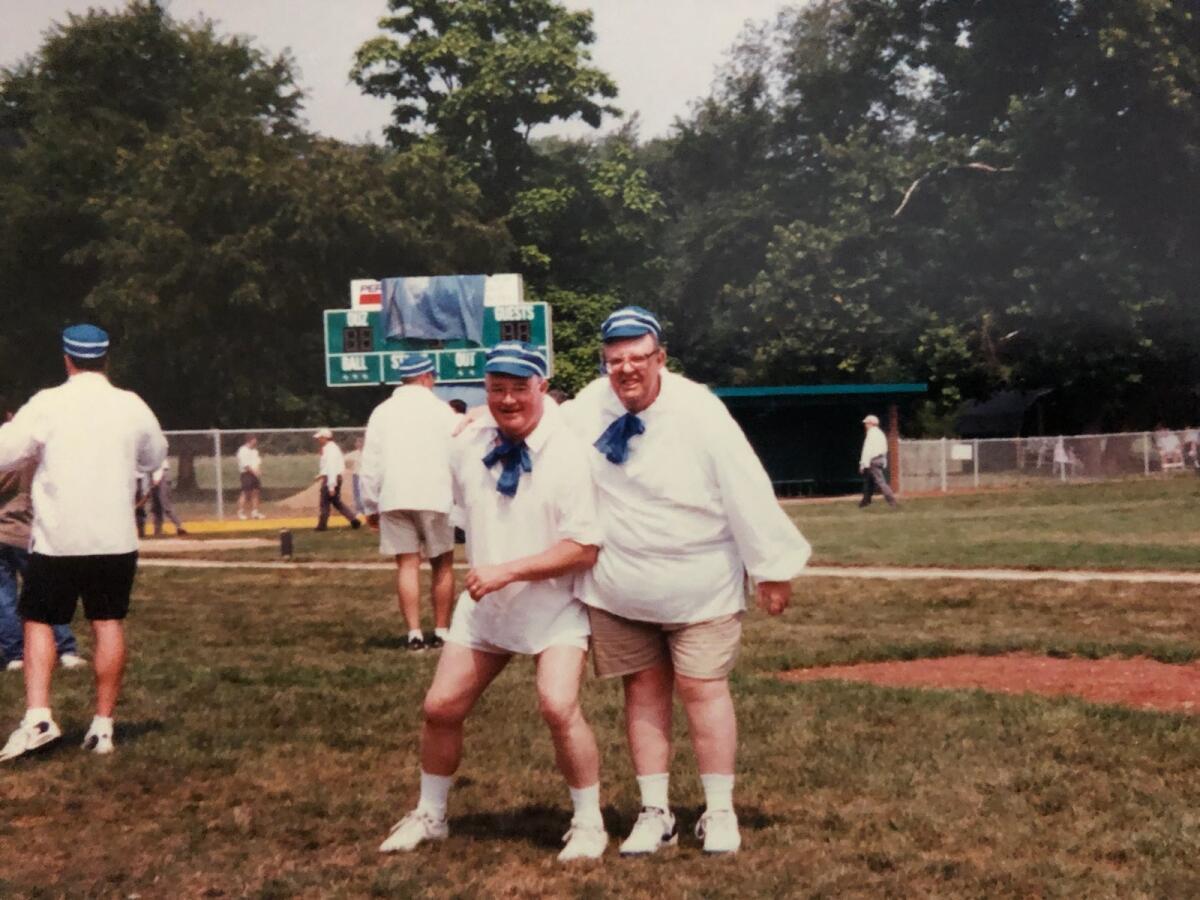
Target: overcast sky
{"x": 661, "y": 53}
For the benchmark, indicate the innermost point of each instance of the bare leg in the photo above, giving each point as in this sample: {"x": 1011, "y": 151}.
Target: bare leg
{"x": 40, "y": 656}
{"x": 559, "y": 670}
{"x": 712, "y": 722}
{"x": 462, "y": 676}
{"x": 443, "y": 588}
{"x": 648, "y": 718}
{"x": 109, "y": 663}
{"x": 408, "y": 588}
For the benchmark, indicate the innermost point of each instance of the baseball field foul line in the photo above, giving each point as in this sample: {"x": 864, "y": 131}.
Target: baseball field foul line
{"x": 874, "y": 572}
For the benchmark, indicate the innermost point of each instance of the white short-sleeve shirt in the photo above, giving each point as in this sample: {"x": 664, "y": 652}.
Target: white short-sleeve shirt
{"x": 554, "y": 502}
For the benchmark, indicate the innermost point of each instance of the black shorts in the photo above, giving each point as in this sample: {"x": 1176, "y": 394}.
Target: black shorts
{"x": 250, "y": 482}
{"x": 54, "y": 584}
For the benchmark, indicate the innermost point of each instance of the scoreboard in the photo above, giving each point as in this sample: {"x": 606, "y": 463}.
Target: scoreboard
{"x": 357, "y": 351}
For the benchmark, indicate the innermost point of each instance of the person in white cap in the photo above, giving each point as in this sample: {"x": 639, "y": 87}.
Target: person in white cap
{"x": 872, "y": 461}
{"x": 521, "y": 477}
{"x": 686, "y": 510}
{"x": 329, "y": 477}
{"x": 88, "y": 439}
{"x": 404, "y": 476}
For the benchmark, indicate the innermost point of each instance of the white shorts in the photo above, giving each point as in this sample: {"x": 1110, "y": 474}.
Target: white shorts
{"x": 415, "y": 531}
{"x": 481, "y": 627}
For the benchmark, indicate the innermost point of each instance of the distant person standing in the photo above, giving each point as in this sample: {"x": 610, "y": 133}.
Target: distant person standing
{"x": 87, "y": 439}
{"x": 161, "y": 505}
{"x": 329, "y": 476}
{"x": 406, "y": 492}
{"x": 873, "y": 461}
{"x": 16, "y": 519}
{"x": 249, "y": 463}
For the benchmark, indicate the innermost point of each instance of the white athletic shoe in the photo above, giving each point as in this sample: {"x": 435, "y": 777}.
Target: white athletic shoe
{"x": 414, "y": 829}
{"x": 14, "y": 665}
{"x": 719, "y": 830}
{"x": 584, "y": 840}
{"x": 29, "y": 736}
{"x": 257, "y": 515}
{"x": 653, "y": 829}
{"x": 72, "y": 661}
{"x": 242, "y": 516}
{"x": 98, "y": 741}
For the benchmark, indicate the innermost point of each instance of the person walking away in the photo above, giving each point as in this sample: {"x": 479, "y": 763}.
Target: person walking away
{"x": 161, "y": 505}
{"x": 329, "y": 476}
{"x": 872, "y": 461}
{"x": 86, "y": 439}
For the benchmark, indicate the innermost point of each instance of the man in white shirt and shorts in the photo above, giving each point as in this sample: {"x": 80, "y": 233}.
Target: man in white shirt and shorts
{"x": 249, "y": 463}
{"x": 521, "y": 478}
{"x": 404, "y": 476}
{"x": 89, "y": 439}
{"x": 686, "y": 510}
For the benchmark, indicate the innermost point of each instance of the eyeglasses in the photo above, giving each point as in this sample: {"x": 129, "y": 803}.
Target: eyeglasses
{"x": 633, "y": 360}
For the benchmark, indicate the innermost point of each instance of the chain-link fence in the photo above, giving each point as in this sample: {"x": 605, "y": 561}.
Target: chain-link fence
{"x": 206, "y": 480}
{"x": 952, "y": 464}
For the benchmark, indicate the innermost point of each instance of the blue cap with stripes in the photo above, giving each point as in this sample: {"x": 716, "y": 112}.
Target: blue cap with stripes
{"x": 413, "y": 364}
{"x": 630, "y": 322}
{"x": 84, "y": 341}
{"x": 516, "y": 358}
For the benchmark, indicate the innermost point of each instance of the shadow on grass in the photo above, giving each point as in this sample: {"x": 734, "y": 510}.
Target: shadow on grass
{"x": 544, "y": 826}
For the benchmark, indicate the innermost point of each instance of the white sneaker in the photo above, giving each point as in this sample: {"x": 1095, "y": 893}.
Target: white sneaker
{"x": 654, "y": 828}
{"x": 98, "y": 741}
{"x": 29, "y": 736}
{"x": 72, "y": 661}
{"x": 241, "y": 515}
{"x": 719, "y": 830}
{"x": 584, "y": 840}
{"x": 414, "y": 829}
{"x": 14, "y": 665}
{"x": 257, "y": 515}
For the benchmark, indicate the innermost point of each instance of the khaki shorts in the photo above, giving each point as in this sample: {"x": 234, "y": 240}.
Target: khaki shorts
{"x": 704, "y": 650}
{"x": 415, "y": 531}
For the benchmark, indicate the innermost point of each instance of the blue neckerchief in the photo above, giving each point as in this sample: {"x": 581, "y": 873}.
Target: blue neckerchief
{"x": 515, "y": 456}
{"x": 614, "y": 443}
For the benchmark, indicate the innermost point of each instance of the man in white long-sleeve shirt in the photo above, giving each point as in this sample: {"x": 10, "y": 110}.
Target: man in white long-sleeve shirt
{"x": 686, "y": 510}
{"x": 89, "y": 439}
{"x": 330, "y": 467}
{"x": 405, "y": 481}
{"x": 521, "y": 478}
{"x": 872, "y": 461}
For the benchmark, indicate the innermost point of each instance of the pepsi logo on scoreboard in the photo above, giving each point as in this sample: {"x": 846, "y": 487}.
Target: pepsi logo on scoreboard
{"x": 366, "y": 293}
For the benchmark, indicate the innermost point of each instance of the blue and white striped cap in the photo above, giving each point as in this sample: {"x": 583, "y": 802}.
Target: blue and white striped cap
{"x": 630, "y": 322}
{"x": 413, "y": 364}
{"x": 516, "y": 358}
{"x": 84, "y": 341}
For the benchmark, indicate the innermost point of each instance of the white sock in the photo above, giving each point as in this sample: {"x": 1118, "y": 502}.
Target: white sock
{"x": 718, "y": 792}
{"x": 416, "y": 633}
{"x": 38, "y": 714}
{"x": 101, "y": 725}
{"x": 654, "y": 789}
{"x": 586, "y": 801}
{"x": 443, "y": 633}
{"x": 435, "y": 791}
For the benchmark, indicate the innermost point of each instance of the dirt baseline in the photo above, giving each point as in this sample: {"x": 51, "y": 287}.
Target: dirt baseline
{"x": 1139, "y": 683}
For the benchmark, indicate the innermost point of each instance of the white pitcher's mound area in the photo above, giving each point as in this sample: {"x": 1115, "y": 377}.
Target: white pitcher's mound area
{"x": 183, "y": 545}
{"x": 1141, "y": 683}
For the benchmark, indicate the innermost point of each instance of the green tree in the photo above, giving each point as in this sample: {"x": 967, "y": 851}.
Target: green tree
{"x": 481, "y": 74}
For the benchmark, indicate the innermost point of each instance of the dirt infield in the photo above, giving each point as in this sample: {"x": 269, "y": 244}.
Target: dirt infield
{"x": 1139, "y": 683}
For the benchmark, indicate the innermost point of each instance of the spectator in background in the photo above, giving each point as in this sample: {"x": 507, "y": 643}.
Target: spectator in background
{"x": 872, "y": 461}
{"x": 329, "y": 476}
{"x": 16, "y": 517}
{"x": 161, "y": 505}
{"x": 406, "y": 489}
{"x": 86, "y": 439}
{"x": 353, "y": 465}
{"x": 249, "y": 463}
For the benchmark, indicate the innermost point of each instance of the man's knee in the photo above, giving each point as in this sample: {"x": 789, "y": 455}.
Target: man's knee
{"x": 558, "y": 708}
{"x": 444, "y": 710}
{"x": 701, "y": 691}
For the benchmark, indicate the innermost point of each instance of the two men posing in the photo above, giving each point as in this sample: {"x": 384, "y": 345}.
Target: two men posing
{"x": 671, "y": 490}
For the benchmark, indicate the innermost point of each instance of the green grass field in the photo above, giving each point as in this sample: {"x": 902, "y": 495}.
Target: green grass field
{"x": 267, "y": 739}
